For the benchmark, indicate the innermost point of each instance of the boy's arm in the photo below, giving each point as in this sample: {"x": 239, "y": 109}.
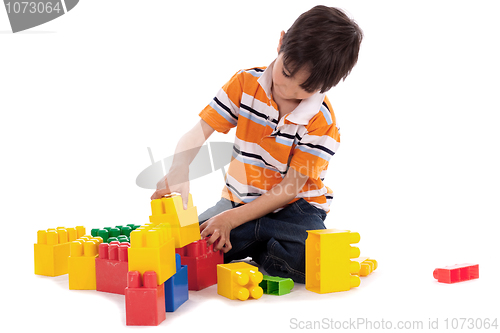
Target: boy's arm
{"x": 177, "y": 178}
{"x": 221, "y": 225}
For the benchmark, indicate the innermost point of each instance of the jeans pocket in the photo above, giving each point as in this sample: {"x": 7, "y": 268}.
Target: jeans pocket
{"x": 306, "y": 208}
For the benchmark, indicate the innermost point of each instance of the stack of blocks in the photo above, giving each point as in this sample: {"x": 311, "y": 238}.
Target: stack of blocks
{"x": 152, "y": 253}
{"x": 52, "y": 250}
{"x": 239, "y": 281}
{"x": 155, "y": 265}
{"x": 328, "y": 260}
{"x": 202, "y": 262}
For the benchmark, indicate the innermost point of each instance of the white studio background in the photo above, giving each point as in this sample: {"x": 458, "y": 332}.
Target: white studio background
{"x": 83, "y": 96}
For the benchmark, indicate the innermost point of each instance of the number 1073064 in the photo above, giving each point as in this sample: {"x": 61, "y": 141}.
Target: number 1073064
{"x": 32, "y": 7}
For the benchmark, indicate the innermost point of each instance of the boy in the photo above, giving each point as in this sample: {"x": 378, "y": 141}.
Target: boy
{"x": 285, "y": 136}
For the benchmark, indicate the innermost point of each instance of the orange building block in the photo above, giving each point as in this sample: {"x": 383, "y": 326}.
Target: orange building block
{"x": 184, "y": 223}
{"x": 152, "y": 248}
{"x": 51, "y": 250}
{"x": 328, "y": 265}
{"x": 239, "y": 281}
{"x": 81, "y": 263}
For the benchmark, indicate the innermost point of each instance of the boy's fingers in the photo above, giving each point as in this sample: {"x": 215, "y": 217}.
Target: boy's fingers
{"x": 228, "y": 247}
{"x": 213, "y": 238}
{"x": 204, "y": 232}
{"x": 223, "y": 244}
{"x": 220, "y": 244}
{"x": 159, "y": 193}
{"x": 185, "y": 196}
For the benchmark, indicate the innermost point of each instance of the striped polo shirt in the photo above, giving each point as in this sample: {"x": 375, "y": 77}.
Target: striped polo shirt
{"x": 265, "y": 147}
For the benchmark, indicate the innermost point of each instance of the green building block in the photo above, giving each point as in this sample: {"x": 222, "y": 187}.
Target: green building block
{"x": 125, "y": 230}
{"x": 273, "y": 285}
{"x": 118, "y": 233}
{"x": 104, "y": 234}
{"x": 114, "y": 232}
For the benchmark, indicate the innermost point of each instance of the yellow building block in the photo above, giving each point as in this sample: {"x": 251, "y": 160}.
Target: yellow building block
{"x": 328, "y": 265}
{"x": 51, "y": 250}
{"x": 152, "y": 248}
{"x": 368, "y": 265}
{"x": 239, "y": 281}
{"x": 81, "y": 263}
{"x": 184, "y": 223}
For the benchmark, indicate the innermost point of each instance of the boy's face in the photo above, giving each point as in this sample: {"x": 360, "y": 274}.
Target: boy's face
{"x": 286, "y": 87}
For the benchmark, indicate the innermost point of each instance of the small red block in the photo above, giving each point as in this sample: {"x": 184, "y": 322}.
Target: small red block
{"x": 144, "y": 302}
{"x": 457, "y": 273}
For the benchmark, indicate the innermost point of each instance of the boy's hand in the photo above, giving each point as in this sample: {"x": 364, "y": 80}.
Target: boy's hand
{"x": 218, "y": 227}
{"x": 174, "y": 181}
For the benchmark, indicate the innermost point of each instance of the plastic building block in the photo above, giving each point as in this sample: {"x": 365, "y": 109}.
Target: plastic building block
{"x": 111, "y": 267}
{"x": 273, "y": 285}
{"x": 367, "y": 265}
{"x": 457, "y": 273}
{"x": 328, "y": 265}
{"x": 202, "y": 263}
{"x": 118, "y": 233}
{"x": 184, "y": 223}
{"x": 152, "y": 249}
{"x": 144, "y": 301}
{"x": 176, "y": 288}
{"x": 239, "y": 281}
{"x": 52, "y": 250}
{"x": 81, "y": 263}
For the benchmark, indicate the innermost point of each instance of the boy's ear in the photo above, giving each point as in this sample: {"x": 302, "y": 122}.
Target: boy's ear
{"x": 281, "y": 40}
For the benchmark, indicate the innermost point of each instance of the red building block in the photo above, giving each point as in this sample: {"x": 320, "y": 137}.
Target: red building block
{"x": 457, "y": 273}
{"x": 111, "y": 267}
{"x": 202, "y": 263}
{"x": 144, "y": 302}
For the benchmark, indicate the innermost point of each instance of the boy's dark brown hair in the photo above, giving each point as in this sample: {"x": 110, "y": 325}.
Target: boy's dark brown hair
{"x": 324, "y": 41}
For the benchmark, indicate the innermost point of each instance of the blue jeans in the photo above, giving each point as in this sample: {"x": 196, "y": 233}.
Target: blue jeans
{"x": 275, "y": 241}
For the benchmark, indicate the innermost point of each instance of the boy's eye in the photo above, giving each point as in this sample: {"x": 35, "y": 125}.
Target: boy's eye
{"x": 285, "y": 74}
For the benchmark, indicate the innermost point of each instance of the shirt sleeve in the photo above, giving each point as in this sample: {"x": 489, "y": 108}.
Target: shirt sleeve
{"x": 315, "y": 149}
{"x": 222, "y": 112}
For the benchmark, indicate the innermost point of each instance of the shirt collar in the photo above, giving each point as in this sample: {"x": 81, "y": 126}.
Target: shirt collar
{"x": 266, "y": 79}
{"x": 307, "y": 108}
